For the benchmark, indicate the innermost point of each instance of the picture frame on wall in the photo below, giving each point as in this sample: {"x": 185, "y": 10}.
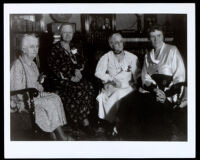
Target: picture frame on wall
{"x": 99, "y": 22}
{"x": 142, "y": 15}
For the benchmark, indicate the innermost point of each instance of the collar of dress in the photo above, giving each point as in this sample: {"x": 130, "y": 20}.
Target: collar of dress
{"x": 26, "y": 61}
{"x": 152, "y": 55}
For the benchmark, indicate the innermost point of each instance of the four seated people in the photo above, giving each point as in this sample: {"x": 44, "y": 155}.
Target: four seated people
{"x": 121, "y": 101}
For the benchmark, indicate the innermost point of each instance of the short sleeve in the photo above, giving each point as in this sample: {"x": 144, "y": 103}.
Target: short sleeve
{"x": 17, "y": 76}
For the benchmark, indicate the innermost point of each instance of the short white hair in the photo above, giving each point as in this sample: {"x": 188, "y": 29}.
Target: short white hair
{"x": 63, "y": 25}
{"x": 110, "y": 39}
{"x": 26, "y": 38}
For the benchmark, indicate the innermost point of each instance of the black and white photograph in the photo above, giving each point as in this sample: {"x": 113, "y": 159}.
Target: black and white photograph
{"x": 117, "y": 81}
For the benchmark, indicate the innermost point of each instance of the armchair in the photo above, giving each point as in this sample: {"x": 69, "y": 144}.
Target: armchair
{"x": 24, "y": 122}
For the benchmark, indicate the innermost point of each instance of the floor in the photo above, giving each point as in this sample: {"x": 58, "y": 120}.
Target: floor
{"x": 78, "y": 135}
{"x": 102, "y": 132}
{"x": 99, "y": 135}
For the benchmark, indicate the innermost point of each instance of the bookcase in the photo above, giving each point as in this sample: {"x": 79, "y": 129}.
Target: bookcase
{"x": 21, "y": 24}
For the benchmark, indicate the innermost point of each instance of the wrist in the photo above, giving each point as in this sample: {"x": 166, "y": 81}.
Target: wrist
{"x": 151, "y": 88}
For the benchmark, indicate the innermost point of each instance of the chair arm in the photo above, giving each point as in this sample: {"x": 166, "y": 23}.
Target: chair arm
{"x": 175, "y": 89}
{"x": 32, "y": 91}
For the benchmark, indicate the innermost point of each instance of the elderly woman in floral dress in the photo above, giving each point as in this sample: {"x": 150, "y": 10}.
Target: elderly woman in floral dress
{"x": 66, "y": 64}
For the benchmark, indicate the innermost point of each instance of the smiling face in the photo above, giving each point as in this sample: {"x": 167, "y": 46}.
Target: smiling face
{"x": 156, "y": 38}
{"x": 116, "y": 43}
{"x": 67, "y": 33}
{"x": 30, "y": 46}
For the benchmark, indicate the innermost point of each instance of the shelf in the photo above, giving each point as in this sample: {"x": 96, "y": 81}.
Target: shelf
{"x": 167, "y": 39}
{"x": 25, "y": 24}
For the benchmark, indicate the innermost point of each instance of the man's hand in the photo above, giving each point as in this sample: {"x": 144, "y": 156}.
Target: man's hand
{"x": 160, "y": 95}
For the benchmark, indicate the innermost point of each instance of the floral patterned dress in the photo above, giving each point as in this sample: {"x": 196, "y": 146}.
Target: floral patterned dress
{"x": 78, "y": 97}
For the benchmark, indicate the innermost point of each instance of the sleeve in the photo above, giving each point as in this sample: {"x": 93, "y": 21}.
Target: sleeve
{"x": 135, "y": 69}
{"x": 101, "y": 70}
{"x": 81, "y": 59}
{"x": 146, "y": 78}
{"x": 17, "y": 79}
{"x": 178, "y": 67}
{"x": 53, "y": 63}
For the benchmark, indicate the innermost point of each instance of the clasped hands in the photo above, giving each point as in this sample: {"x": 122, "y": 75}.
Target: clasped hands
{"x": 114, "y": 83}
{"x": 77, "y": 77}
{"x": 160, "y": 95}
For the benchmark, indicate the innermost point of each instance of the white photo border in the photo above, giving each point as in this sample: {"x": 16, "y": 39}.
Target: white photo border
{"x": 102, "y": 149}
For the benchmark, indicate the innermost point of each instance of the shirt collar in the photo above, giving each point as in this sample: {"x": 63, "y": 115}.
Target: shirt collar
{"x": 152, "y": 55}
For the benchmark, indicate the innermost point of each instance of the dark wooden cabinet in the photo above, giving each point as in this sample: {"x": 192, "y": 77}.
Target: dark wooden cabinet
{"x": 21, "y": 24}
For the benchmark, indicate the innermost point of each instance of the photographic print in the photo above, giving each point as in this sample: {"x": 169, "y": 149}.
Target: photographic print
{"x": 100, "y": 83}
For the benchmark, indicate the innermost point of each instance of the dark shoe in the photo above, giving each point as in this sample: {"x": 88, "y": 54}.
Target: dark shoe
{"x": 88, "y": 130}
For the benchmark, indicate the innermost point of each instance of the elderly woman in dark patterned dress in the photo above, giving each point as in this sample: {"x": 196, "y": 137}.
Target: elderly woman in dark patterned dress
{"x": 67, "y": 63}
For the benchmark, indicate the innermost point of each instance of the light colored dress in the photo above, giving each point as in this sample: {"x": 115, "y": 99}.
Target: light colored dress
{"x": 169, "y": 62}
{"x": 49, "y": 111}
{"x": 124, "y": 71}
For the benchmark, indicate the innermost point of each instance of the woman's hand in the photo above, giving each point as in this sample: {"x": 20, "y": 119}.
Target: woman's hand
{"x": 160, "y": 95}
{"x": 41, "y": 78}
{"x": 43, "y": 94}
{"x": 21, "y": 107}
{"x": 117, "y": 83}
{"x": 108, "y": 86}
{"x": 39, "y": 87}
{"x": 75, "y": 79}
{"x": 78, "y": 73}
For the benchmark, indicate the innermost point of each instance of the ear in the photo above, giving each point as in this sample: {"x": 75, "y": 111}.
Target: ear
{"x": 123, "y": 41}
{"x": 23, "y": 50}
{"x": 110, "y": 44}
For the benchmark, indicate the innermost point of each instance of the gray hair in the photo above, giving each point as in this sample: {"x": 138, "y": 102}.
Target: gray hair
{"x": 62, "y": 25}
{"x": 111, "y": 38}
{"x": 25, "y": 39}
